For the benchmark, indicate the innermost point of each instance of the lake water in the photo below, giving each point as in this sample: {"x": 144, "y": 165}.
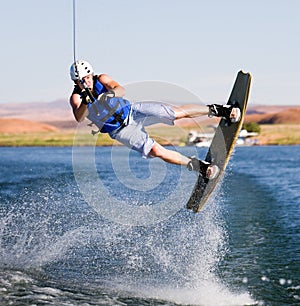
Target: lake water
{"x": 102, "y": 226}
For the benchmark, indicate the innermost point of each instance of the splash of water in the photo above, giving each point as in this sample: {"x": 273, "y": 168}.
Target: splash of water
{"x": 173, "y": 260}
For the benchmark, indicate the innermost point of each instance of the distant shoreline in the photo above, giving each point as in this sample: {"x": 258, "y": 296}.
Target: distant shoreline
{"x": 280, "y": 125}
{"x": 271, "y": 134}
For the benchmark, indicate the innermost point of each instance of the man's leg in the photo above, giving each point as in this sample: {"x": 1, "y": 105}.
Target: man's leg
{"x": 168, "y": 156}
{"x": 190, "y": 111}
{"x": 194, "y": 110}
{"x": 173, "y": 157}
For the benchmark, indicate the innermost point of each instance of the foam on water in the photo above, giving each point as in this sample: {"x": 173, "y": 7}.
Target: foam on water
{"x": 193, "y": 262}
{"x": 174, "y": 260}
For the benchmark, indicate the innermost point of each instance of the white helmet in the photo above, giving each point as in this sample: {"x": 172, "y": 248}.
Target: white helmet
{"x": 80, "y": 69}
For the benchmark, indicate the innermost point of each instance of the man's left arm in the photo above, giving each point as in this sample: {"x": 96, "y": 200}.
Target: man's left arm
{"x": 112, "y": 85}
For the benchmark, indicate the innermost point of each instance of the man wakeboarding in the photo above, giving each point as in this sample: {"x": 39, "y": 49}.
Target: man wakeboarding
{"x": 100, "y": 99}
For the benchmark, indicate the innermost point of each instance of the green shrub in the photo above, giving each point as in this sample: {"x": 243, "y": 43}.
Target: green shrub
{"x": 252, "y": 127}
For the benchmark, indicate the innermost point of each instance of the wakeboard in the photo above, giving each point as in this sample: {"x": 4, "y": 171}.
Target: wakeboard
{"x": 222, "y": 144}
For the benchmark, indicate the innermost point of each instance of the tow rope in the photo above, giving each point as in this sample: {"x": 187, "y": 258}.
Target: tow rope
{"x": 90, "y": 96}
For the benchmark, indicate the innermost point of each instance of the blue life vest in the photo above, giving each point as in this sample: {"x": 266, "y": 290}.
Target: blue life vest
{"x": 107, "y": 113}
{"x": 98, "y": 87}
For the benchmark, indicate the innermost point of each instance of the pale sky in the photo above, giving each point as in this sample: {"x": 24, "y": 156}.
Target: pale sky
{"x": 197, "y": 44}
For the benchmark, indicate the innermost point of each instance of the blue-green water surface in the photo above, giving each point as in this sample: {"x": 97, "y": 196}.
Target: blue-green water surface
{"x": 55, "y": 249}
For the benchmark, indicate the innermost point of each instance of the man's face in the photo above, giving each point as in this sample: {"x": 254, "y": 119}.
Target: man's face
{"x": 88, "y": 80}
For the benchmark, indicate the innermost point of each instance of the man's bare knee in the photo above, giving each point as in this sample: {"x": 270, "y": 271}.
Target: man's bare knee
{"x": 157, "y": 150}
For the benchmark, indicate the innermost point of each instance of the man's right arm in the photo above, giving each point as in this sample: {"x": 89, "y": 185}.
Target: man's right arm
{"x": 80, "y": 109}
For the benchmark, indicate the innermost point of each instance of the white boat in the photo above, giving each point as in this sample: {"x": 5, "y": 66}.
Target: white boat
{"x": 204, "y": 139}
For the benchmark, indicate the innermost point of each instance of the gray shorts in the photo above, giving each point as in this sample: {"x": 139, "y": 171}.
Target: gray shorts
{"x": 134, "y": 135}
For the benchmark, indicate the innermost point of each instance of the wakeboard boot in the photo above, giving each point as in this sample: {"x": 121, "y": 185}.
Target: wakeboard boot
{"x": 224, "y": 111}
{"x": 206, "y": 169}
